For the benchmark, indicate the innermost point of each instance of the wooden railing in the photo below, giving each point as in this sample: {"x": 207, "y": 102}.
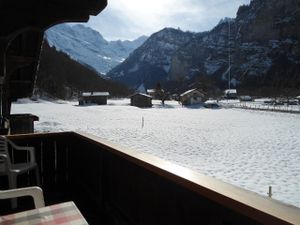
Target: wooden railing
{"x": 136, "y": 188}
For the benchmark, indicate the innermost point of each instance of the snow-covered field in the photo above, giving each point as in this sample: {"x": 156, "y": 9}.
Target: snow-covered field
{"x": 251, "y": 149}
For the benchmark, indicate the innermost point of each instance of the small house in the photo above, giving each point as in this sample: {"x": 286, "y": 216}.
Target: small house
{"x": 230, "y": 94}
{"x": 99, "y": 98}
{"x": 141, "y": 100}
{"x": 191, "y": 97}
{"x": 151, "y": 92}
{"x": 156, "y": 93}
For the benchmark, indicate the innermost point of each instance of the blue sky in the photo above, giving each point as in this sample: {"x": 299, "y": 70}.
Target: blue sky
{"x": 129, "y": 19}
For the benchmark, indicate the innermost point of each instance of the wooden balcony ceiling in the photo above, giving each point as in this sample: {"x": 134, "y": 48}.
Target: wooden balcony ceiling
{"x": 21, "y": 36}
{"x": 16, "y": 15}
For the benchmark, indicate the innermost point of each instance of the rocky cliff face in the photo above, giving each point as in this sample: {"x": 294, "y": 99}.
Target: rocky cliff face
{"x": 151, "y": 62}
{"x": 261, "y": 45}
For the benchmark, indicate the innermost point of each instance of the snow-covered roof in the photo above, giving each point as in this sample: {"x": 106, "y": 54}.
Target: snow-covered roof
{"x": 210, "y": 101}
{"x": 190, "y": 91}
{"x": 151, "y": 90}
{"x": 298, "y": 97}
{"x": 230, "y": 91}
{"x": 149, "y": 96}
{"x": 85, "y": 94}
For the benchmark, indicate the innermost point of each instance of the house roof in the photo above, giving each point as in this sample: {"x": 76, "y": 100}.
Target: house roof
{"x": 230, "y": 91}
{"x": 148, "y": 96}
{"x": 190, "y": 91}
{"x": 151, "y": 91}
{"x": 86, "y": 94}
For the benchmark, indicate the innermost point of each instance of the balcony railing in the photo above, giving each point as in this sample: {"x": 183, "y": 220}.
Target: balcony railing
{"x": 114, "y": 185}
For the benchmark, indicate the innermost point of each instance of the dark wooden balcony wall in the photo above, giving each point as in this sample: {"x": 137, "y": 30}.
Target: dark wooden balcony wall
{"x": 111, "y": 185}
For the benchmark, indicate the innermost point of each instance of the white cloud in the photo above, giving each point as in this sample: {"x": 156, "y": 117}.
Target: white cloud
{"x": 128, "y": 19}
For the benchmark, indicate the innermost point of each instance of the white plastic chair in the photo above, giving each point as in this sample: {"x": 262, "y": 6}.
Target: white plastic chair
{"x": 13, "y": 170}
{"x": 35, "y": 192}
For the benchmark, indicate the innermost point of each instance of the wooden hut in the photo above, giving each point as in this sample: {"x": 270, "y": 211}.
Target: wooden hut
{"x": 151, "y": 92}
{"x": 230, "y": 94}
{"x": 191, "y": 97}
{"x": 99, "y": 98}
{"x": 141, "y": 100}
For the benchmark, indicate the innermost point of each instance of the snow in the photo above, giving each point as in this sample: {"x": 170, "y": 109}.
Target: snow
{"x": 95, "y": 94}
{"x": 247, "y": 148}
{"x": 143, "y": 94}
{"x": 230, "y": 91}
{"x": 188, "y": 92}
{"x": 89, "y": 47}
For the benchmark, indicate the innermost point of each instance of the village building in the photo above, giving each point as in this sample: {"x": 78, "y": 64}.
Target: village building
{"x": 230, "y": 94}
{"x": 191, "y": 97}
{"x": 151, "y": 92}
{"x": 99, "y": 98}
{"x": 141, "y": 100}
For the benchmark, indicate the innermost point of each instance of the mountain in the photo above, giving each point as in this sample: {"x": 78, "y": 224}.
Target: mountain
{"x": 152, "y": 61}
{"x": 61, "y": 77}
{"x": 88, "y": 46}
{"x": 262, "y": 43}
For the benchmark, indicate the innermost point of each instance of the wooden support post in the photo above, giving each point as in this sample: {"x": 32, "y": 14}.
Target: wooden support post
{"x": 2, "y": 77}
{"x": 3, "y": 45}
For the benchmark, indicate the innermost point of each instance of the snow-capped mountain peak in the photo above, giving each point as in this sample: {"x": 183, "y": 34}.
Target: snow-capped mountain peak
{"x": 88, "y": 46}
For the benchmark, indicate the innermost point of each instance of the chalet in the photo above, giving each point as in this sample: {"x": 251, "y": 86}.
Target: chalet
{"x": 151, "y": 92}
{"x": 156, "y": 94}
{"x": 191, "y": 97}
{"x": 230, "y": 94}
{"x": 99, "y": 98}
{"x": 141, "y": 100}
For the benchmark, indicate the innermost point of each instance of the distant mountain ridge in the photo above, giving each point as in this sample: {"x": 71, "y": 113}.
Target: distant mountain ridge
{"x": 88, "y": 46}
{"x": 263, "y": 41}
{"x": 152, "y": 61}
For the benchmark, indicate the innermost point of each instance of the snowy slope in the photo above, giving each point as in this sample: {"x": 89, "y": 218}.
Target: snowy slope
{"x": 88, "y": 47}
{"x": 221, "y": 143}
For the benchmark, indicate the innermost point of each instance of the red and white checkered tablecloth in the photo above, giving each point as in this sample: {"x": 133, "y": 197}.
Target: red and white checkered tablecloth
{"x": 63, "y": 214}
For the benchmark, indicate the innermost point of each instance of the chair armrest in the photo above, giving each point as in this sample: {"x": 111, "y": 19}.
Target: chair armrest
{"x": 6, "y": 161}
{"x": 35, "y": 192}
{"x": 24, "y": 148}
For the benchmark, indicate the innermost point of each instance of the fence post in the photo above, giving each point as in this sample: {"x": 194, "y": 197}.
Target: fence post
{"x": 270, "y": 192}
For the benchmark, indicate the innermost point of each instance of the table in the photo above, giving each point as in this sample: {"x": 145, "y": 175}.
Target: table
{"x": 63, "y": 214}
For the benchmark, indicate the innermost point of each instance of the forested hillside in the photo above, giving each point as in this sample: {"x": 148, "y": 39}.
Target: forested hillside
{"x": 61, "y": 77}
